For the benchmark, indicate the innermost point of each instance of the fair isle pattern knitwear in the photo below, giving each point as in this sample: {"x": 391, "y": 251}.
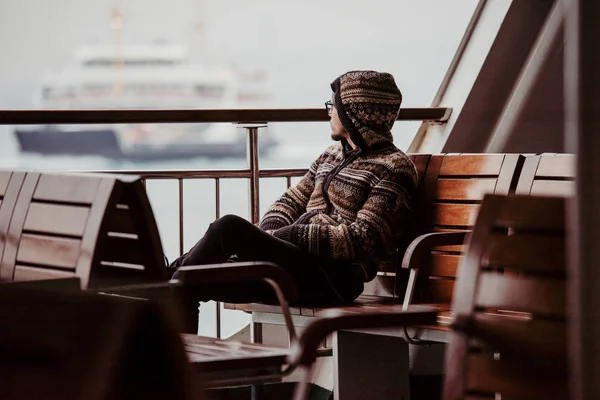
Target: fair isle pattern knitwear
{"x": 352, "y": 205}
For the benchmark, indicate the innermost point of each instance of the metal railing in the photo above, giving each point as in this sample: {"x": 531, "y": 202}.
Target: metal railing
{"x": 251, "y": 120}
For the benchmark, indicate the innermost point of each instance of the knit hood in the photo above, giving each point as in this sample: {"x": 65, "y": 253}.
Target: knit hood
{"x": 367, "y": 103}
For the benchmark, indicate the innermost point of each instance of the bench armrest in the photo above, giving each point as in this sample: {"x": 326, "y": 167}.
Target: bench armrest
{"x": 304, "y": 350}
{"x": 421, "y": 246}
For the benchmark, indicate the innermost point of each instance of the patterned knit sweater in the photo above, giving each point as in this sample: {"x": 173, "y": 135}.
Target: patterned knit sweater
{"x": 350, "y": 205}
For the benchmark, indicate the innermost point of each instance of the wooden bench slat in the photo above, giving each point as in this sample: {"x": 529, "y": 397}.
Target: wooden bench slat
{"x": 444, "y": 265}
{"x": 4, "y": 179}
{"x": 48, "y": 250}
{"x": 527, "y": 252}
{"x": 552, "y": 188}
{"x": 56, "y": 219}
{"x": 472, "y": 164}
{"x": 438, "y": 291}
{"x": 26, "y": 273}
{"x": 464, "y": 189}
{"x": 532, "y": 214}
{"x": 513, "y": 379}
{"x": 545, "y": 296}
{"x": 67, "y": 188}
{"x": 523, "y": 335}
{"x": 455, "y": 214}
{"x": 556, "y": 166}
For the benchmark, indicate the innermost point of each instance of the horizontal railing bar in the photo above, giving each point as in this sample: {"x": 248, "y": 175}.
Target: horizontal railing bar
{"x": 282, "y": 173}
{"x": 178, "y": 174}
{"x": 38, "y": 117}
{"x": 208, "y": 174}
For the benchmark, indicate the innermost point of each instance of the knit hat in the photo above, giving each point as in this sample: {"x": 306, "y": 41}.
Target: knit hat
{"x": 367, "y": 103}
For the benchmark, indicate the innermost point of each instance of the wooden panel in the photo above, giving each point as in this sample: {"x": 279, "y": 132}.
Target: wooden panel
{"x": 562, "y": 165}
{"x": 443, "y": 265}
{"x": 24, "y": 273}
{"x": 532, "y": 213}
{"x": 526, "y": 252}
{"x": 455, "y": 214}
{"x": 464, "y": 189}
{"x": 124, "y": 250}
{"x": 119, "y": 220}
{"x": 452, "y": 249}
{"x": 4, "y": 179}
{"x": 47, "y": 250}
{"x": 553, "y": 188}
{"x": 438, "y": 291}
{"x": 421, "y": 161}
{"x": 57, "y": 219}
{"x": 515, "y": 379}
{"x": 534, "y": 295}
{"x": 67, "y": 188}
{"x": 481, "y": 164}
{"x": 542, "y": 340}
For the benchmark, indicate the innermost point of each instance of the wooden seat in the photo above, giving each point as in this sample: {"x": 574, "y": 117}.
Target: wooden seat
{"x": 65, "y": 225}
{"x": 82, "y": 346}
{"x": 510, "y": 305}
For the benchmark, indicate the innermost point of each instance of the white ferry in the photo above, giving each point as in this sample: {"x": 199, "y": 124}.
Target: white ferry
{"x": 157, "y": 76}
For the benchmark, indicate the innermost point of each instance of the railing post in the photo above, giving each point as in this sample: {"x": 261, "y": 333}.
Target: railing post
{"x": 252, "y": 156}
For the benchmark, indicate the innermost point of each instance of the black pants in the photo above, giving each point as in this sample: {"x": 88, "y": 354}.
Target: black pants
{"x": 320, "y": 282}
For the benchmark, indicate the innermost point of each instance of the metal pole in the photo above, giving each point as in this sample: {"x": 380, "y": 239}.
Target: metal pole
{"x": 180, "y": 216}
{"x": 255, "y": 328}
{"x": 525, "y": 83}
{"x": 255, "y": 173}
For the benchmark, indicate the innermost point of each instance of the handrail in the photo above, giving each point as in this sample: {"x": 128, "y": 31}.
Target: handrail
{"x": 205, "y": 174}
{"x": 35, "y": 117}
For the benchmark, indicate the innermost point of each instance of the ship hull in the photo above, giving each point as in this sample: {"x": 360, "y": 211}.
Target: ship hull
{"x": 105, "y": 143}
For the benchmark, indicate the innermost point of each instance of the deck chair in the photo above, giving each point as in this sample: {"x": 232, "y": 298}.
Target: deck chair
{"x": 58, "y": 342}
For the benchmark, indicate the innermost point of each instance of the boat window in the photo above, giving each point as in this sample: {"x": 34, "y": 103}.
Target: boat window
{"x": 117, "y": 61}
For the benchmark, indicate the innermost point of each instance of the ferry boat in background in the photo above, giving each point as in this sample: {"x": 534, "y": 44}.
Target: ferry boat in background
{"x": 155, "y": 76}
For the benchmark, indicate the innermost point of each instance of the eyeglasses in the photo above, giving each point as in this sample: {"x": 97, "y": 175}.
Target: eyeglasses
{"x": 329, "y": 107}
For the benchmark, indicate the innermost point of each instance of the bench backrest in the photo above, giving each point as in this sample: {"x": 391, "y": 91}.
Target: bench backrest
{"x": 509, "y": 304}
{"x": 453, "y": 189}
{"x": 77, "y": 345}
{"x": 548, "y": 175}
{"x": 66, "y": 224}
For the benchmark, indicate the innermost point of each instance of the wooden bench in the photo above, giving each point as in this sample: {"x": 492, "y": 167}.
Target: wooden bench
{"x": 449, "y": 196}
{"x": 99, "y": 228}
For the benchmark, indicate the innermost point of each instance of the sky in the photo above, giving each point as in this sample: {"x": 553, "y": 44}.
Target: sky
{"x": 302, "y": 45}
